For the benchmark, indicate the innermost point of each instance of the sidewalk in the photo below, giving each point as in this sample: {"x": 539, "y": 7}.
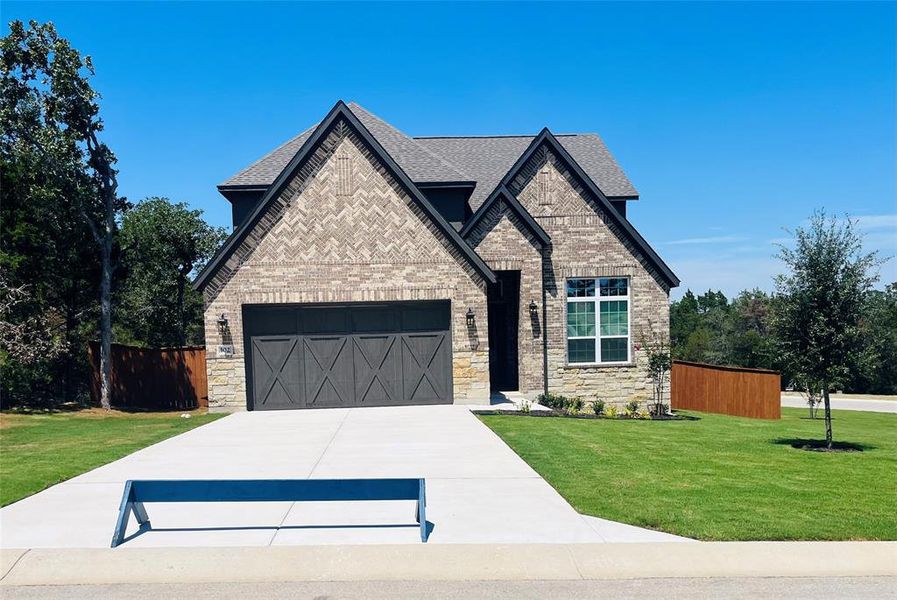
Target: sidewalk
{"x": 425, "y": 562}
{"x": 680, "y": 588}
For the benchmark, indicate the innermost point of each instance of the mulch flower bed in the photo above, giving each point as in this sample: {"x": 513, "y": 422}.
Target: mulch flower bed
{"x": 582, "y": 415}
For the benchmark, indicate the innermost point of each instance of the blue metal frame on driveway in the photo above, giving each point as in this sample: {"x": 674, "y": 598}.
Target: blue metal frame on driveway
{"x": 139, "y": 492}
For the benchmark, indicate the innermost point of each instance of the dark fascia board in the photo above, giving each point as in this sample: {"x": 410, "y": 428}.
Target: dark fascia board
{"x": 227, "y": 190}
{"x": 445, "y": 184}
{"x": 546, "y": 137}
{"x": 503, "y": 193}
{"x": 244, "y": 187}
{"x": 339, "y": 110}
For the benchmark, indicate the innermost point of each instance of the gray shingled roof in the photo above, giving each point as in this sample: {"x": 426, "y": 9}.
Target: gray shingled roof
{"x": 421, "y": 164}
{"x": 484, "y": 160}
{"x": 266, "y": 169}
{"x": 487, "y": 159}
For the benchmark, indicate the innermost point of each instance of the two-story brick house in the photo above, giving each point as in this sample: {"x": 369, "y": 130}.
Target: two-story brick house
{"x": 370, "y": 268}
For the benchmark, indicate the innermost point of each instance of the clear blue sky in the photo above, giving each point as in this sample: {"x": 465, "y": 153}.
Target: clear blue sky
{"x": 734, "y": 121}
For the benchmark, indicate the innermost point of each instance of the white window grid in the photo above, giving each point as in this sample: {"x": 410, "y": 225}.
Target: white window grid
{"x": 596, "y": 301}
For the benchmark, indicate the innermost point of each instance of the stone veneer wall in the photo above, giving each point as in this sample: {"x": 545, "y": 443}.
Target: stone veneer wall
{"x": 505, "y": 243}
{"x": 585, "y": 244}
{"x": 344, "y": 230}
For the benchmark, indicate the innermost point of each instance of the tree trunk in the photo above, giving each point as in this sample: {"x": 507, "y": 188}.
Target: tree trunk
{"x": 182, "y": 318}
{"x": 106, "y": 319}
{"x": 658, "y": 409}
{"x": 107, "y": 238}
{"x": 828, "y": 418}
{"x": 68, "y": 385}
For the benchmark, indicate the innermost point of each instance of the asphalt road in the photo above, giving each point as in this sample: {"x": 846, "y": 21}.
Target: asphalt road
{"x": 840, "y": 588}
{"x": 846, "y": 403}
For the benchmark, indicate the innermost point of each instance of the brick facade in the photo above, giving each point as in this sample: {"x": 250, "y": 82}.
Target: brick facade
{"x": 505, "y": 243}
{"x": 585, "y": 243}
{"x": 344, "y": 230}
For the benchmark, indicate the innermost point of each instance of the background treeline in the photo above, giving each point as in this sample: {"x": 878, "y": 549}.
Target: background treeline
{"x": 741, "y": 331}
{"x": 50, "y": 285}
{"x": 79, "y": 261}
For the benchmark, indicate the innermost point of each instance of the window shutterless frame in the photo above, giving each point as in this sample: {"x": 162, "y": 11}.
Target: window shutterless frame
{"x": 586, "y": 300}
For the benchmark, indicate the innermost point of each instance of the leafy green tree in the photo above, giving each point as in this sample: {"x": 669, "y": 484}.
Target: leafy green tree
{"x": 711, "y": 301}
{"x": 748, "y": 328}
{"x": 699, "y": 328}
{"x": 46, "y": 249}
{"x": 684, "y": 320}
{"x": 163, "y": 244}
{"x": 821, "y": 299}
{"x": 697, "y": 346}
{"x": 876, "y": 371}
{"x": 50, "y": 115}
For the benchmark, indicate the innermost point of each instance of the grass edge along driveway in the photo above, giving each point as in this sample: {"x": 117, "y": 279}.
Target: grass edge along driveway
{"x": 41, "y": 450}
{"x": 719, "y": 477}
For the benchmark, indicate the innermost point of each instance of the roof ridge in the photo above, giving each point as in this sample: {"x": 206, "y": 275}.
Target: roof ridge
{"x": 497, "y": 135}
{"x": 354, "y": 105}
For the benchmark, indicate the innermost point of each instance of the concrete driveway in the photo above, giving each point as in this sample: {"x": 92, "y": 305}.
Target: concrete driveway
{"x": 478, "y": 490}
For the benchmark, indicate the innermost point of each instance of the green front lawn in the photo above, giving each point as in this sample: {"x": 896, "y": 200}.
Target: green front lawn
{"x": 720, "y": 477}
{"x": 39, "y": 450}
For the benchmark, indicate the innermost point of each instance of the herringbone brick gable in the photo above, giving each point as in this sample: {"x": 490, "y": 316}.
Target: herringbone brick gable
{"x": 312, "y": 222}
{"x": 560, "y": 203}
{"x": 500, "y": 216}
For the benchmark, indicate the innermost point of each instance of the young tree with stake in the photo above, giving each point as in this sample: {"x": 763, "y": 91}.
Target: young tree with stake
{"x": 821, "y": 297}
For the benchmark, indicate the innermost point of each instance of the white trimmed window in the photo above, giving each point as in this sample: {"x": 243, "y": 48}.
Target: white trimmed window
{"x": 598, "y": 320}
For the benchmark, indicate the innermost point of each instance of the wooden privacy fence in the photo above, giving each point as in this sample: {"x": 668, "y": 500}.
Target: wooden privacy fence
{"x": 726, "y": 390}
{"x": 153, "y": 378}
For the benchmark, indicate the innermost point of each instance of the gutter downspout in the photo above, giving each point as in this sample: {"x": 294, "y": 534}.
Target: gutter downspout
{"x": 544, "y": 329}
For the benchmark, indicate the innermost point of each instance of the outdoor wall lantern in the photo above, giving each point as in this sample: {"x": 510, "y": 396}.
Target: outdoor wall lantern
{"x": 532, "y": 307}
{"x": 222, "y": 322}
{"x": 470, "y": 318}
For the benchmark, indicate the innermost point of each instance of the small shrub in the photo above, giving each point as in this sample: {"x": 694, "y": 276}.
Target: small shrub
{"x": 611, "y": 411}
{"x": 526, "y": 406}
{"x": 545, "y": 399}
{"x": 554, "y": 401}
{"x": 643, "y": 414}
{"x": 574, "y": 405}
{"x": 632, "y": 408}
{"x": 598, "y": 407}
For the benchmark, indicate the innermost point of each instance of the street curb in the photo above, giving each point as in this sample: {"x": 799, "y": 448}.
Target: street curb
{"x": 448, "y": 562}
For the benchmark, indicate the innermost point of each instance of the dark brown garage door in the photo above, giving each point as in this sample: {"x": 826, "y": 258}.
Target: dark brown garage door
{"x": 349, "y": 355}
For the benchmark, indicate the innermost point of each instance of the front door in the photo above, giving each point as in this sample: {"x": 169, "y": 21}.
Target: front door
{"x": 504, "y": 304}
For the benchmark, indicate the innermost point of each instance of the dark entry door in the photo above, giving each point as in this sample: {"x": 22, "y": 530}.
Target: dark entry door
{"x": 504, "y": 304}
{"x": 348, "y": 355}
